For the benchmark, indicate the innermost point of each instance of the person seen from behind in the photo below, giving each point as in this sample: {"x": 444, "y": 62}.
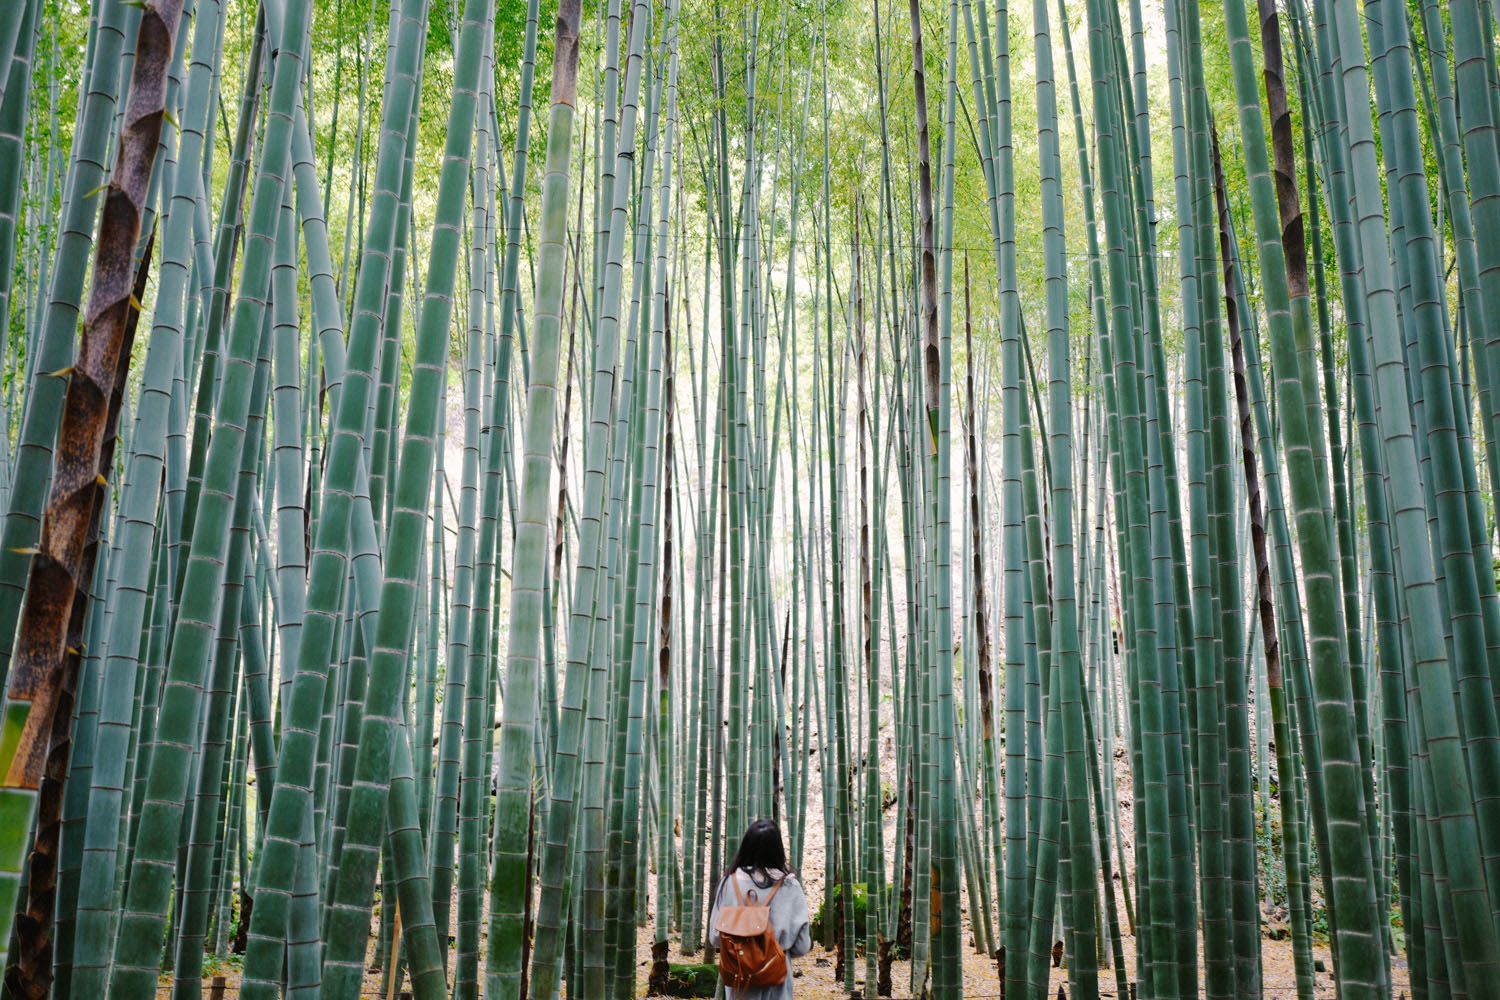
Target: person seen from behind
{"x": 759, "y": 918}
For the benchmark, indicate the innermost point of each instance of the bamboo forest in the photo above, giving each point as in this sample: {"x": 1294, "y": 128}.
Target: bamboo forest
{"x": 462, "y": 462}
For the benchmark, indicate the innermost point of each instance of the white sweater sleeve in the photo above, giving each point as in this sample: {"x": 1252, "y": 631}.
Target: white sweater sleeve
{"x": 790, "y": 917}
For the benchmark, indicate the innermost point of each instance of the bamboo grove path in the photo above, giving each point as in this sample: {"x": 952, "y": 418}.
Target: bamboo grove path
{"x": 462, "y": 461}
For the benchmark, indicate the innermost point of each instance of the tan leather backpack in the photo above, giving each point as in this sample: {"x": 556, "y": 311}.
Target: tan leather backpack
{"x": 749, "y": 954}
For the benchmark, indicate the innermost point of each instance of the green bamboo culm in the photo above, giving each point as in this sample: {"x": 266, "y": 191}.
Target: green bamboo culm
{"x": 377, "y": 775}
{"x": 287, "y": 842}
{"x": 514, "y": 793}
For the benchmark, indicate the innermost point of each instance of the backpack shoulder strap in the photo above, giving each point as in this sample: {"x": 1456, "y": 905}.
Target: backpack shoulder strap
{"x": 775, "y": 889}
{"x": 734, "y": 880}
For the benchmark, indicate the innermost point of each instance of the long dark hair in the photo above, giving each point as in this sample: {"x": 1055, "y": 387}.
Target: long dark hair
{"x": 761, "y": 850}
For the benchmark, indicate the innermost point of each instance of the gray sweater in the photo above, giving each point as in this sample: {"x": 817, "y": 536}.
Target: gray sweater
{"x": 789, "y": 920}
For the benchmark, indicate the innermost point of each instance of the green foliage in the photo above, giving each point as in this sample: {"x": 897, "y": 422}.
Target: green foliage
{"x": 213, "y": 965}
{"x": 691, "y": 979}
{"x": 821, "y": 918}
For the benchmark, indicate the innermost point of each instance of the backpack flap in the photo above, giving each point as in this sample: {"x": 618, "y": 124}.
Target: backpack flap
{"x": 743, "y": 921}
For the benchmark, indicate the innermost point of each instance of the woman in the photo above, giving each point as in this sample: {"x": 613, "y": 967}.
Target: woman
{"x": 758, "y": 866}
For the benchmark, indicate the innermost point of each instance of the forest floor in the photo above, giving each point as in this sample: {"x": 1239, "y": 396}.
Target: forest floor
{"x": 813, "y": 974}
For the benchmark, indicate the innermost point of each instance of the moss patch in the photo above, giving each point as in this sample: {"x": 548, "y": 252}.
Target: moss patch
{"x": 688, "y": 980}
{"x": 824, "y": 923}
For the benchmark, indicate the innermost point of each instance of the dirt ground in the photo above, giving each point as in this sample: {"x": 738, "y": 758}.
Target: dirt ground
{"x": 814, "y": 973}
